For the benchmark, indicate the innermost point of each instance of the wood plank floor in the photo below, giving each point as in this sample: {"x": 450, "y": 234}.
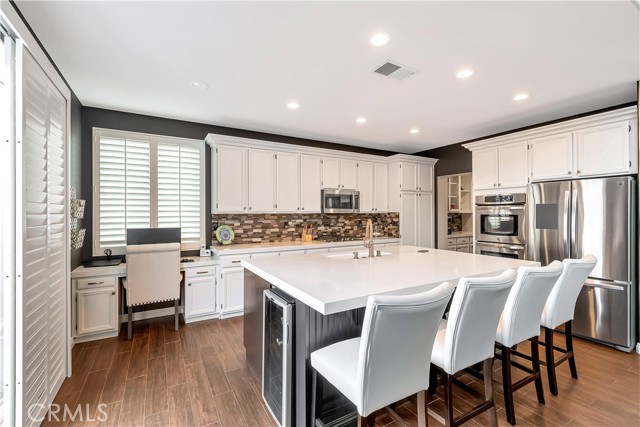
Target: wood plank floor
{"x": 199, "y": 377}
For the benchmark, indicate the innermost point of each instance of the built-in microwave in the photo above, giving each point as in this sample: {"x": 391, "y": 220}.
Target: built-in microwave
{"x": 336, "y": 200}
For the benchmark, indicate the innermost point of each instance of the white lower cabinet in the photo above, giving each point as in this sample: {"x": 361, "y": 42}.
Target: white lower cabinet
{"x": 97, "y": 310}
{"x": 232, "y": 292}
{"x": 200, "y": 293}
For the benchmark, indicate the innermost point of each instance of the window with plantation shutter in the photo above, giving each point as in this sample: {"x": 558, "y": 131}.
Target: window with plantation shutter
{"x": 147, "y": 181}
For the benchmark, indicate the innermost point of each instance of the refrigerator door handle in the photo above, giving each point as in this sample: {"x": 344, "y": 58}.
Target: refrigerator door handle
{"x": 565, "y": 232}
{"x": 574, "y": 224}
{"x": 604, "y": 286}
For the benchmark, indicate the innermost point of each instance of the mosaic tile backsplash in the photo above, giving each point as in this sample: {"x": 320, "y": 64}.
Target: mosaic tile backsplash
{"x": 256, "y": 228}
{"x": 454, "y": 223}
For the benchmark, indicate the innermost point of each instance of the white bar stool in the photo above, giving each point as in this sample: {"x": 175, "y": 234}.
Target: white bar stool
{"x": 559, "y": 309}
{"x": 390, "y": 361}
{"x": 520, "y": 322}
{"x": 467, "y": 337}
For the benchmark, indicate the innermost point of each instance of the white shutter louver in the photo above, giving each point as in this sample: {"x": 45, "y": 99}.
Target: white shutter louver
{"x": 148, "y": 181}
{"x": 45, "y": 247}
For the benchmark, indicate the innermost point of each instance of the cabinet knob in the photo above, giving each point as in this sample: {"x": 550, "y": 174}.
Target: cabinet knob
{"x": 189, "y": 284}
{"x": 113, "y": 292}
{"x": 244, "y": 207}
{"x": 568, "y": 172}
{"x": 494, "y": 184}
{"x": 303, "y": 208}
{"x": 249, "y": 207}
{"x": 298, "y": 208}
{"x": 499, "y": 184}
{"x": 578, "y": 172}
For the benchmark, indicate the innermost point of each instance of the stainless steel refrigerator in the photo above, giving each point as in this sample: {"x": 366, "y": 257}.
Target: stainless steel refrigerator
{"x": 569, "y": 219}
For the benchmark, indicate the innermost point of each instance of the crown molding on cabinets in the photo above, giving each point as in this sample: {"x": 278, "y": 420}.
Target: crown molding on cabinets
{"x": 627, "y": 113}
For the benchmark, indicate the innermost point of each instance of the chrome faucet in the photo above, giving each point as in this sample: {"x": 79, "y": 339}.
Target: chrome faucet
{"x": 368, "y": 238}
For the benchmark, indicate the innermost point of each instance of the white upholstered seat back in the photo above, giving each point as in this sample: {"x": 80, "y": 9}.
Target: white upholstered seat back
{"x": 473, "y": 320}
{"x": 396, "y": 344}
{"x": 562, "y": 299}
{"x": 521, "y": 314}
{"x": 153, "y": 273}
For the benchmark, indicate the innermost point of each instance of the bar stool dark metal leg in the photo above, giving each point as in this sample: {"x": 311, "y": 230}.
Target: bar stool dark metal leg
{"x": 507, "y": 384}
{"x": 535, "y": 361}
{"x": 569, "y": 341}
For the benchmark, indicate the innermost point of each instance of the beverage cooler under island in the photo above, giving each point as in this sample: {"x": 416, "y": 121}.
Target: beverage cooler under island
{"x": 296, "y": 304}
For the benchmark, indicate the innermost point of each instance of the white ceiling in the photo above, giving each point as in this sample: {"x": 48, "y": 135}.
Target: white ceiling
{"x": 572, "y": 57}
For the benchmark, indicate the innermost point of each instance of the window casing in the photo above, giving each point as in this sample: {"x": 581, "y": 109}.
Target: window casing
{"x": 142, "y": 180}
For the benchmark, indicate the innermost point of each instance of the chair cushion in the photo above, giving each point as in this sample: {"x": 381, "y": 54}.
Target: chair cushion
{"x": 338, "y": 363}
{"x": 437, "y": 355}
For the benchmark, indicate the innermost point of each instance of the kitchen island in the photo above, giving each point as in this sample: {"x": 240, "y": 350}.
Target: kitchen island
{"x": 330, "y": 292}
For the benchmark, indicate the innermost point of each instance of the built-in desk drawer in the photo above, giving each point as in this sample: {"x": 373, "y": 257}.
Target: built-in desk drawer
{"x": 464, "y": 240}
{"x": 451, "y": 242}
{"x": 232, "y": 260}
{"x": 96, "y": 282}
{"x": 209, "y": 270}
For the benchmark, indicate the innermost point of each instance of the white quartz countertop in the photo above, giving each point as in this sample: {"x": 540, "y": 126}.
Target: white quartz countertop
{"x": 249, "y": 248}
{"x": 331, "y": 284}
{"x": 460, "y": 234}
{"x": 121, "y": 269}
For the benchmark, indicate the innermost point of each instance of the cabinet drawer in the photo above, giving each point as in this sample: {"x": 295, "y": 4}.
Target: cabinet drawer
{"x": 233, "y": 261}
{"x": 97, "y": 282}
{"x": 451, "y": 242}
{"x": 209, "y": 270}
{"x": 464, "y": 240}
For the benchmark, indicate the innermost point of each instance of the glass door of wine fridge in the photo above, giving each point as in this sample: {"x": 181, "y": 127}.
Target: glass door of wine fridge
{"x": 277, "y": 355}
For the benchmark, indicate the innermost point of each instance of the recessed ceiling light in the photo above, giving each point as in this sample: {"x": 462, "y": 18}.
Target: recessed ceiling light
{"x": 414, "y": 130}
{"x": 380, "y": 39}
{"x": 521, "y": 96}
{"x": 361, "y": 120}
{"x": 198, "y": 85}
{"x": 463, "y": 74}
{"x": 293, "y": 105}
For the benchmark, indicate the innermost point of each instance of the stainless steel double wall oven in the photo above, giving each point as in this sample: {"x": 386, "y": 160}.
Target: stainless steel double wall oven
{"x": 500, "y": 225}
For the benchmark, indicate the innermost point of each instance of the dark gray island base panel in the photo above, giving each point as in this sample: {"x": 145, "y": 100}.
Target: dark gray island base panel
{"x": 312, "y": 331}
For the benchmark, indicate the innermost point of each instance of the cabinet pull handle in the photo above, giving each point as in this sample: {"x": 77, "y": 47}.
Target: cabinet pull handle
{"x": 95, "y": 283}
{"x": 202, "y": 272}
{"x": 236, "y": 261}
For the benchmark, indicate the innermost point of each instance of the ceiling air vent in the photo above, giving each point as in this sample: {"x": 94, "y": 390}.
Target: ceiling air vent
{"x": 395, "y": 70}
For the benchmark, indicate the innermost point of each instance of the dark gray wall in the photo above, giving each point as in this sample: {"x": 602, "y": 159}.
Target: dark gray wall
{"x": 452, "y": 159}
{"x": 110, "y": 119}
{"x": 75, "y": 172}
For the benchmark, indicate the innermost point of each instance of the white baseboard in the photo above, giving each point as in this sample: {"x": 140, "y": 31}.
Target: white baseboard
{"x": 638, "y": 348}
{"x": 94, "y": 337}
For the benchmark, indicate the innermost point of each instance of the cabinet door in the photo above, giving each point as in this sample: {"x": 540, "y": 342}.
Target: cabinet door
{"x": 310, "y": 179}
{"x": 512, "y": 165}
{"x": 425, "y": 220}
{"x": 408, "y": 176}
{"x": 96, "y": 310}
{"x": 602, "y": 150}
{"x": 425, "y": 177}
{"x": 287, "y": 182}
{"x": 261, "y": 180}
{"x": 485, "y": 168}
{"x": 380, "y": 190}
{"x": 200, "y": 296}
{"x": 349, "y": 174}
{"x": 231, "y": 179}
{"x": 552, "y": 157}
{"x": 365, "y": 186}
{"x": 408, "y": 226}
{"x": 330, "y": 172}
{"x": 232, "y": 290}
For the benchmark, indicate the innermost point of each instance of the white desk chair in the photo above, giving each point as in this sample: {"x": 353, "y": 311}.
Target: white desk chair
{"x": 390, "y": 361}
{"x": 559, "y": 309}
{"x": 153, "y": 275}
{"x": 467, "y": 337}
{"x": 520, "y": 322}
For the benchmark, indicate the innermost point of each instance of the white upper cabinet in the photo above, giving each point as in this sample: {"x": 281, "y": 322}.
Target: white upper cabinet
{"x": 339, "y": 173}
{"x": 310, "y": 179}
{"x": 408, "y": 176}
{"x": 425, "y": 177}
{"x": 288, "y": 182}
{"x": 552, "y": 157}
{"x": 485, "y": 168}
{"x": 380, "y": 194}
{"x": 261, "y": 181}
{"x": 365, "y": 186}
{"x": 504, "y": 166}
{"x": 512, "y": 165}
{"x": 603, "y": 149}
{"x": 330, "y": 172}
{"x": 349, "y": 174}
{"x": 230, "y": 187}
